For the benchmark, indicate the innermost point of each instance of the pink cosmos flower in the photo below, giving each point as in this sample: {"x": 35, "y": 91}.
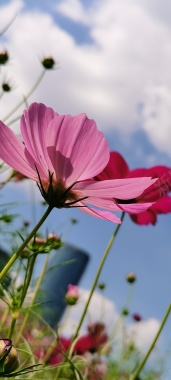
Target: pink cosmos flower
{"x": 92, "y": 342}
{"x": 62, "y": 153}
{"x": 156, "y": 193}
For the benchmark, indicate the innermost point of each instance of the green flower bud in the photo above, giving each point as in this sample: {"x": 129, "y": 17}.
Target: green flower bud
{"x": 4, "y": 57}
{"x": 48, "y": 63}
{"x": 6, "y": 87}
{"x": 9, "y": 361}
{"x": 72, "y": 295}
{"x": 131, "y": 277}
{"x": 101, "y": 285}
{"x": 125, "y": 312}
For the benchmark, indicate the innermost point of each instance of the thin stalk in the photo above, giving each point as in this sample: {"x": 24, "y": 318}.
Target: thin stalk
{"x": 8, "y": 25}
{"x": 53, "y": 344}
{"x": 4, "y": 317}
{"x": 120, "y": 319}
{"x": 12, "y": 326}
{"x": 26, "y": 97}
{"x": 134, "y": 376}
{"x": 40, "y": 278}
{"x": 28, "y": 276}
{"x": 105, "y": 255}
{"x": 23, "y": 245}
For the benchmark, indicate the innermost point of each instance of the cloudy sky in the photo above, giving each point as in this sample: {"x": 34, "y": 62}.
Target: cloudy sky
{"x": 113, "y": 61}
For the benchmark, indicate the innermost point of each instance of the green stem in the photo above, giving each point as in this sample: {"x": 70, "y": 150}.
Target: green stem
{"x": 25, "y": 97}
{"x": 40, "y": 278}
{"x": 23, "y": 245}
{"x": 134, "y": 376}
{"x": 12, "y": 326}
{"x": 97, "y": 277}
{"x": 28, "y": 276}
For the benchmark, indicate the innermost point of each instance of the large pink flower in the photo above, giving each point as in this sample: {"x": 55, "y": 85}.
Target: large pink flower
{"x": 156, "y": 193}
{"x": 62, "y": 153}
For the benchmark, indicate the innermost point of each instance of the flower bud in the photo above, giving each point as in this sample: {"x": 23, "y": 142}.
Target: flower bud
{"x": 26, "y": 223}
{"x": 72, "y": 295}
{"x": 4, "y": 57}
{"x": 131, "y": 277}
{"x": 53, "y": 237}
{"x": 101, "y": 285}
{"x": 137, "y": 317}
{"x": 37, "y": 241}
{"x": 25, "y": 254}
{"x": 125, "y": 312}
{"x": 74, "y": 220}
{"x": 48, "y": 63}
{"x": 6, "y": 87}
{"x": 8, "y": 356}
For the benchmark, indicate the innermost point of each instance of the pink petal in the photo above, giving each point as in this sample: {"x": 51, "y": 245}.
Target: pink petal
{"x": 162, "y": 206}
{"x": 118, "y": 188}
{"x": 144, "y": 218}
{"x": 106, "y": 203}
{"x": 162, "y": 185}
{"x": 12, "y": 152}
{"x": 34, "y": 124}
{"x": 115, "y": 168}
{"x": 135, "y": 208}
{"x": 101, "y": 214}
{"x": 77, "y": 149}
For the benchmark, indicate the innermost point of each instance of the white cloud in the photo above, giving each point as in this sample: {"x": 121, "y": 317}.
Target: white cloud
{"x": 100, "y": 309}
{"x": 9, "y": 11}
{"x": 157, "y": 117}
{"x": 143, "y": 333}
{"x": 104, "y": 310}
{"x": 126, "y": 68}
{"x": 73, "y": 9}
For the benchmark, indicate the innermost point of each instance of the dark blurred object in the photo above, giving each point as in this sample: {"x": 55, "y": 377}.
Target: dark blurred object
{"x": 65, "y": 267}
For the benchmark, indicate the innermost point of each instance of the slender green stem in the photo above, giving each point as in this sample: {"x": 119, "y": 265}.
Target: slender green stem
{"x": 12, "y": 326}
{"x": 40, "y": 278}
{"x": 53, "y": 344}
{"x": 134, "y": 376}
{"x": 23, "y": 245}
{"x": 97, "y": 278}
{"x": 4, "y": 317}
{"x": 90, "y": 295}
{"x": 25, "y": 97}
{"x": 28, "y": 277}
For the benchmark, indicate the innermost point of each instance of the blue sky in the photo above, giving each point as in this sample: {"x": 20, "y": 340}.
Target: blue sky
{"x": 114, "y": 64}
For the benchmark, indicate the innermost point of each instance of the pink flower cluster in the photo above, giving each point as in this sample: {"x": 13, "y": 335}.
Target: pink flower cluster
{"x": 89, "y": 346}
{"x": 62, "y": 154}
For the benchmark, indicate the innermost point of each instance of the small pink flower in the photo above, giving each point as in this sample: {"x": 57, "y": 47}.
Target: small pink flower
{"x": 62, "y": 153}
{"x": 157, "y": 193}
{"x": 72, "y": 295}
